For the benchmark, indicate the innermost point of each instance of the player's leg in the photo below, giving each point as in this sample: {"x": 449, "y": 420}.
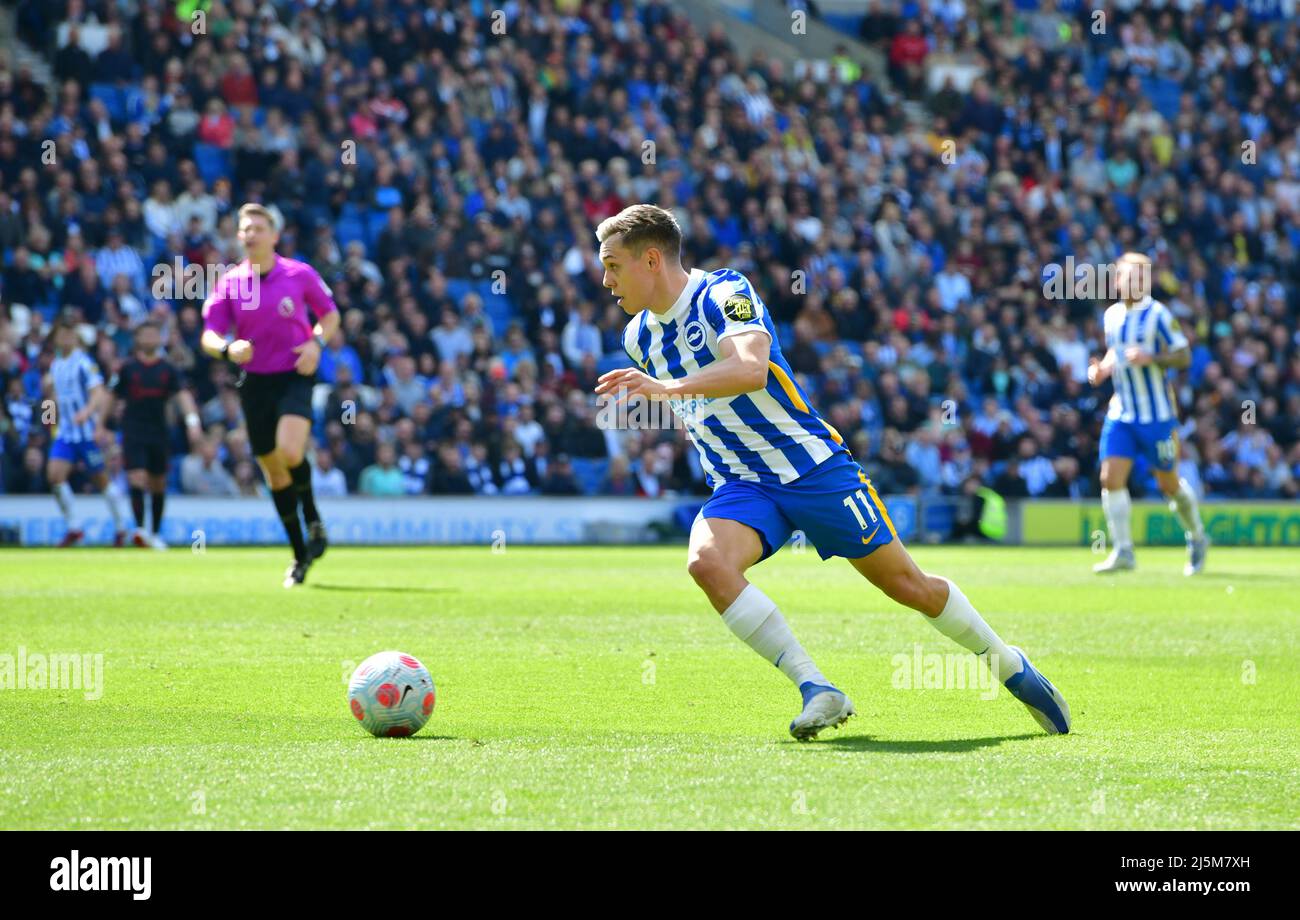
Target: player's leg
{"x": 891, "y": 569}
{"x": 157, "y": 483}
{"x": 259, "y": 397}
{"x": 57, "y": 471}
{"x": 1118, "y": 448}
{"x": 747, "y": 528}
{"x": 291, "y": 437}
{"x": 840, "y": 512}
{"x": 286, "y": 503}
{"x": 720, "y": 552}
{"x": 118, "y": 505}
{"x": 137, "y": 480}
{"x": 1182, "y": 501}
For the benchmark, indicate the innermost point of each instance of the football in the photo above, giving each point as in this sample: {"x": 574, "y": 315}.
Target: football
{"x": 391, "y": 694}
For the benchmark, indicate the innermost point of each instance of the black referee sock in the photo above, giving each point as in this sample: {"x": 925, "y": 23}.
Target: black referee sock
{"x": 137, "y": 506}
{"x": 157, "y": 504}
{"x": 286, "y": 504}
{"x": 302, "y": 483}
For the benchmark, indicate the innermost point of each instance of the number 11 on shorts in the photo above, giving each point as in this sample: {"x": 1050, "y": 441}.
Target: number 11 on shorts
{"x": 852, "y": 506}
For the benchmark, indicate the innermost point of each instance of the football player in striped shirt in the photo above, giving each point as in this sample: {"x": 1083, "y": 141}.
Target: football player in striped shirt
{"x": 1143, "y": 341}
{"x": 705, "y": 341}
{"x": 80, "y": 399}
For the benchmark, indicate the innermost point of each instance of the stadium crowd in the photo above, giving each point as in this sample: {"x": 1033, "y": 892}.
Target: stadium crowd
{"x": 444, "y": 168}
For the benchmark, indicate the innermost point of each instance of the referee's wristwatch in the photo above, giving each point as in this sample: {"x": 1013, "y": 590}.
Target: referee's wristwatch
{"x": 320, "y": 340}
{"x": 225, "y": 351}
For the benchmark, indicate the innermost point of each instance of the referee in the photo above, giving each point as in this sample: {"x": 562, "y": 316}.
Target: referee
{"x": 264, "y": 301}
{"x": 145, "y": 383}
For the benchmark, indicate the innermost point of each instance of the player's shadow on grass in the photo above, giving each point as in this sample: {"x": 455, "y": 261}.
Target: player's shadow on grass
{"x": 382, "y": 589}
{"x": 955, "y": 746}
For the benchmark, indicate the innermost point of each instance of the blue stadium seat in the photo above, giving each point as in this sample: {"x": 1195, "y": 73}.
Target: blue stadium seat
{"x": 612, "y": 362}
{"x": 1164, "y": 96}
{"x": 457, "y": 288}
{"x": 376, "y": 221}
{"x": 114, "y": 99}
{"x": 213, "y": 163}
{"x": 590, "y": 473}
{"x": 348, "y": 230}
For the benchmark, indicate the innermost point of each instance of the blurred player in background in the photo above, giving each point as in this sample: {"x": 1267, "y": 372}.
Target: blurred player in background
{"x": 265, "y": 301}
{"x": 80, "y": 400}
{"x": 145, "y": 383}
{"x": 1143, "y": 341}
{"x": 705, "y": 341}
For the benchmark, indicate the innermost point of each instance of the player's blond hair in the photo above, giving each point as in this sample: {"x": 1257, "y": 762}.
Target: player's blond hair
{"x": 644, "y": 225}
{"x": 253, "y": 209}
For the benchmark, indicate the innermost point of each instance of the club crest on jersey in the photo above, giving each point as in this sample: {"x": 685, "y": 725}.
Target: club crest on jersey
{"x": 286, "y": 307}
{"x": 694, "y": 335}
{"x": 738, "y": 308}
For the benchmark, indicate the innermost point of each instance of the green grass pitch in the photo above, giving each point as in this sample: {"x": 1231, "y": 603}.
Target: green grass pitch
{"x": 595, "y": 688}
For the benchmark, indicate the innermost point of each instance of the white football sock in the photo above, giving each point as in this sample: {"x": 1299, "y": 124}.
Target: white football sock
{"x": 756, "y": 621}
{"x": 1118, "y": 506}
{"x": 1184, "y": 505}
{"x": 63, "y": 495}
{"x": 962, "y": 623}
{"x": 117, "y": 505}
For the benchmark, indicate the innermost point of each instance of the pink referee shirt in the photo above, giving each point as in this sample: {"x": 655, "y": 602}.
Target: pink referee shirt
{"x": 270, "y": 311}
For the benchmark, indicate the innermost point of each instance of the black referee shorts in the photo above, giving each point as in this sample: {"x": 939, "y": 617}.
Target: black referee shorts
{"x": 140, "y": 452}
{"x": 266, "y": 397}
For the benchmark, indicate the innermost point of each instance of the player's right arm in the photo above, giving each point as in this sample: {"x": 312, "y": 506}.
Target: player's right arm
{"x": 1099, "y": 371}
{"x": 742, "y": 368}
{"x": 218, "y": 318}
{"x": 100, "y": 399}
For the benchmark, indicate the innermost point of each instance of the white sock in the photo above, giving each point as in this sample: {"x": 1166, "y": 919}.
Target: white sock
{"x": 63, "y": 495}
{"x": 117, "y": 505}
{"x": 756, "y": 621}
{"x": 1118, "y": 506}
{"x": 962, "y": 623}
{"x": 1184, "y": 505}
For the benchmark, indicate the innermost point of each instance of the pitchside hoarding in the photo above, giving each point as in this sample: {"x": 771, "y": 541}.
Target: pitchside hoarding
{"x": 1063, "y": 523}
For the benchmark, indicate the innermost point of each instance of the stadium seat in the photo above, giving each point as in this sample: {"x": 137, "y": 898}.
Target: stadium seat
{"x": 590, "y": 473}
{"x": 348, "y": 230}
{"x": 612, "y": 362}
{"x": 114, "y": 99}
{"x": 213, "y": 163}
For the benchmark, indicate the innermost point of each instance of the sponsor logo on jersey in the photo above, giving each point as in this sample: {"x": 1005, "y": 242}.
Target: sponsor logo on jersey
{"x": 738, "y": 308}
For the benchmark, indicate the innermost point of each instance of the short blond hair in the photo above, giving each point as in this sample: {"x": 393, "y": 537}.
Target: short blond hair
{"x": 644, "y": 225}
{"x": 253, "y": 209}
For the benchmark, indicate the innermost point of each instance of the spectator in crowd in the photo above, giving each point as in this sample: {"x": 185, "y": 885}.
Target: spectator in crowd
{"x": 383, "y": 478}
{"x": 203, "y": 474}
{"x": 899, "y": 230}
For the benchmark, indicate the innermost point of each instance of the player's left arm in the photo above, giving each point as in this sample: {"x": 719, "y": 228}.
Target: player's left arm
{"x": 1172, "y": 347}
{"x": 742, "y": 368}
{"x": 320, "y": 299}
{"x": 193, "y": 424}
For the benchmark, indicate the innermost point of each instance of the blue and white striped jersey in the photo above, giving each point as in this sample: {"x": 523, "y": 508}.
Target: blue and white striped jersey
{"x": 1142, "y": 394}
{"x": 75, "y": 376}
{"x": 769, "y": 435}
